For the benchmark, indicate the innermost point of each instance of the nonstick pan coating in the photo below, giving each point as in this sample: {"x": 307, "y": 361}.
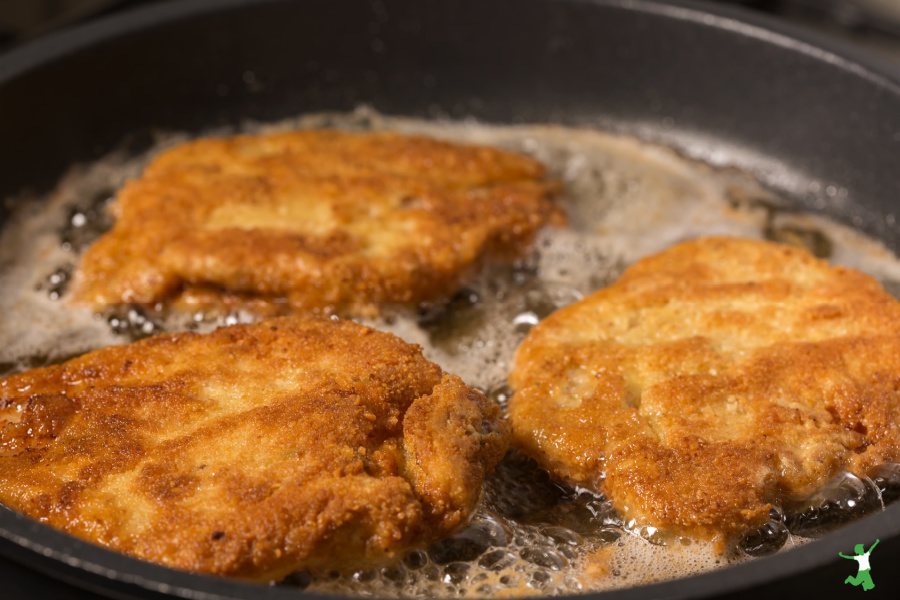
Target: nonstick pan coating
{"x": 805, "y": 116}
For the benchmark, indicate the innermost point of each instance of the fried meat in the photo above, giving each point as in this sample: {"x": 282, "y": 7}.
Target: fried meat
{"x": 251, "y": 452}
{"x": 709, "y": 381}
{"x": 314, "y": 220}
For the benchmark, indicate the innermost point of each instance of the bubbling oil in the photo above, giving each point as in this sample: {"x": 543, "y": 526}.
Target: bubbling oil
{"x": 624, "y": 199}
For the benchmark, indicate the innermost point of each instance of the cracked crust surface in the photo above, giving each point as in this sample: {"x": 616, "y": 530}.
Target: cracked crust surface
{"x": 252, "y": 451}
{"x": 313, "y": 220}
{"x": 710, "y": 380}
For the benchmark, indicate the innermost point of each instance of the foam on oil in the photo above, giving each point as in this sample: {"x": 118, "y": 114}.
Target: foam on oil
{"x": 624, "y": 199}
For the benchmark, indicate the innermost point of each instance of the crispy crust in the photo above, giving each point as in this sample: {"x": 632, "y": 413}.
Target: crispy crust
{"x": 321, "y": 219}
{"x": 710, "y": 380}
{"x": 252, "y": 451}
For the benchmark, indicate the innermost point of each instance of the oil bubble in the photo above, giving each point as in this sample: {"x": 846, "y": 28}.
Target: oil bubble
{"x": 843, "y": 498}
{"x": 886, "y": 478}
{"x": 544, "y": 557}
{"x": 768, "y": 539}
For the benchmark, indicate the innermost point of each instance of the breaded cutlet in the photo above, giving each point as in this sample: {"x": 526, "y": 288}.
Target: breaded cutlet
{"x": 711, "y": 380}
{"x": 314, "y": 220}
{"x": 251, "y": 452}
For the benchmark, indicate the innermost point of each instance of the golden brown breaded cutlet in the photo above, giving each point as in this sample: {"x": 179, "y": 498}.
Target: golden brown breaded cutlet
{"x": 318, "y": 219}
{"x": 710, "y": 380}
{"x": 252, "y": 451}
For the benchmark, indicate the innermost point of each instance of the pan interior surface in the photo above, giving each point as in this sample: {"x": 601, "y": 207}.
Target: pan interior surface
{"x": 813, "y": 126}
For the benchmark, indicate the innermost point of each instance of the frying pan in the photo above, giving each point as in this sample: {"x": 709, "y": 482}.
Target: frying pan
{"x": 811, "y": 119}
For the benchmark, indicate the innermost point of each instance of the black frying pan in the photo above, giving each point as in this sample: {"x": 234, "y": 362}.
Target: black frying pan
{"x": 804, "y": 115}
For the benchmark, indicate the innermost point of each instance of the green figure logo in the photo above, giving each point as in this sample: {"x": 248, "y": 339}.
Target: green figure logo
{"x": 862, "y": 578}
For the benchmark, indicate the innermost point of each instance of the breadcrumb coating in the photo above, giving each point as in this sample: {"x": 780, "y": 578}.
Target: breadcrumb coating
{"x": 711, "y": 380}
{"x": 314, "y": 220}
{"x": 251, "y": 452}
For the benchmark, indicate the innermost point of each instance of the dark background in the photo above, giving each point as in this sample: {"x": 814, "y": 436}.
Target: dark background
{"x": 871, "y": 24}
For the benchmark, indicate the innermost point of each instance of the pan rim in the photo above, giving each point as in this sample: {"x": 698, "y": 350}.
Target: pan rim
{"x": 868, "y": 66}
{"x": 87, "y": 565}
{"x": 17, "y": 532}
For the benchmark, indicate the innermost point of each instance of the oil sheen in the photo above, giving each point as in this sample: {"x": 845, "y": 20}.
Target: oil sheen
{"x": 624, "y": 199}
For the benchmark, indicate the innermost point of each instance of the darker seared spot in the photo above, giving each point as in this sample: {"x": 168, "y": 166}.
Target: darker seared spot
{"x": 44, "y": 418}
{"x": 162, "y": 484}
